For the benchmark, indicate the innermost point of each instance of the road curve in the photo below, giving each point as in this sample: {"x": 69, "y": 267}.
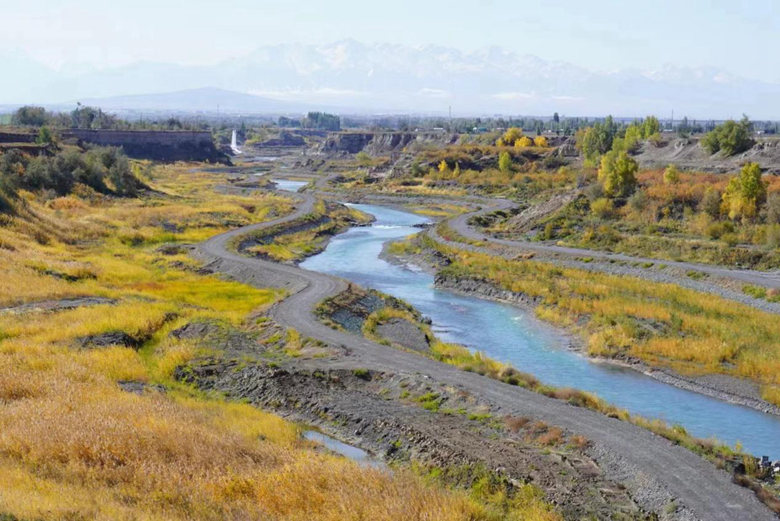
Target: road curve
{"x": 634, "y": 456}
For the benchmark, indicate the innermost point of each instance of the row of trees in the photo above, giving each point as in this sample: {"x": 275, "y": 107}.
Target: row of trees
{"x": 81, "y": 117}
{"x": 514, "y": 137}
{"x": 603, "y": 136}
{"x": 93, "y": 118}
{"x": 321, "y": 121}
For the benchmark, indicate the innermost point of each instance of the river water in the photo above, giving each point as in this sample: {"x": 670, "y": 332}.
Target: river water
{"x": 512, "y": 335}
{"x": 289, "y": 186}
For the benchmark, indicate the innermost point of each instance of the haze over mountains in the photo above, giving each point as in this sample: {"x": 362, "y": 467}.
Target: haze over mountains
{"x": 350, "y": 76}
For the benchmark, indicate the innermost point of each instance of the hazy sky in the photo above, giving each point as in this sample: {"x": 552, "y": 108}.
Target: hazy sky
{"x": 738, "y": 36}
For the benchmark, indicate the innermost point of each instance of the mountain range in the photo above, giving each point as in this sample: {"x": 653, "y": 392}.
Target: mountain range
{"x": 350, "y": 76}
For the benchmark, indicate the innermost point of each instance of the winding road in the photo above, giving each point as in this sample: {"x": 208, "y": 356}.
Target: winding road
{"x": 637, "y": 458}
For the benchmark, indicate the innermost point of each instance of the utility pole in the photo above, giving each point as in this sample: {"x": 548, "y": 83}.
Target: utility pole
{"x": 450, "y": 118}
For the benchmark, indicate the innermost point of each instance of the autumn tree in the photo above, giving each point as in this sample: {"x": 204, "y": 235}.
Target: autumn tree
{"x": 617, "y": 174}
{"x": 671, "y": 175}
{"x": 504, "y": 162}
{"x": 540, "y": 141}
{"x": 523, "y": 142}
{"x": 745, "y": 193}
{"x": 510, "y": 137}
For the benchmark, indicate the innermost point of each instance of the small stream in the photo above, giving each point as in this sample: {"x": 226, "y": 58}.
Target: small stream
{"x": 288, "y": 185}
{"x": 511, "y": 335}
{"x": 357, "y": 455}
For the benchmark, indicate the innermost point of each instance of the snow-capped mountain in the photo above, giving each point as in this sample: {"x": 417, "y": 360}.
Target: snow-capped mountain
{"x": 391, "y": 77}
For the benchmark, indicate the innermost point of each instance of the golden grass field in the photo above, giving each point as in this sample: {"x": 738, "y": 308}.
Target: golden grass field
{"x": 74, "y": 446}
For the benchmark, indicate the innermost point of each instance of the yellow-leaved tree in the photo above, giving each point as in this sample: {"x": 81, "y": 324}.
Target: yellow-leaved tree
{"x": 617, "y": 174}
{"x": 745, "y": 193}
{"x": 510, "y": 137}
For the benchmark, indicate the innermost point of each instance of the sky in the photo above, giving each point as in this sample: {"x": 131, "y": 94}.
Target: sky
{"x": 738, "y": 36}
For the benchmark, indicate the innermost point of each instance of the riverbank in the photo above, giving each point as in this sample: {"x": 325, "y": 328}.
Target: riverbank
{"x": 623, "y": 449}
{"x": 722, "y": 387}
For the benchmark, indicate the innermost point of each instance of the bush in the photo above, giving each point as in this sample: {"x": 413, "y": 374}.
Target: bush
{"x": 731, "y": 239}
{"x": 773, "y": 236}
{"x": 717, "y": 230}
{"x": 65, "y": 170}
{"x": 639, "y": 201}
{"x": 710, "y": 203}
{"x": 773, "y": 208}
{"x": 671, "y": 175}
{"x": 602, "y": 208}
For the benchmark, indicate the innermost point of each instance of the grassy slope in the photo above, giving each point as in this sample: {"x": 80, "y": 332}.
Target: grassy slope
{"x": 73, "y": 445}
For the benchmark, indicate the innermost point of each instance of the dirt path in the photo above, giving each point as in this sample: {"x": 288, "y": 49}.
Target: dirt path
{"x": 648, "y": 465}
{"x": 461, "y": 226}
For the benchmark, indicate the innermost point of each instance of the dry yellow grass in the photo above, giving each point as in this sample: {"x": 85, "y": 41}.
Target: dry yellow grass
{"x": 73, "y": 445}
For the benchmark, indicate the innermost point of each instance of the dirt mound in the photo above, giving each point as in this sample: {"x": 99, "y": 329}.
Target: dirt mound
{"x": 687, "y": 153}
{"x": 111, "y": 338}
{"x": 380, "y": 143}
{"x": 403, "y": 332}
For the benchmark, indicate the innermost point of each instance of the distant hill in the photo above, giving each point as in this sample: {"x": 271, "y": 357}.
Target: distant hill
{"x": 205, "y": 100}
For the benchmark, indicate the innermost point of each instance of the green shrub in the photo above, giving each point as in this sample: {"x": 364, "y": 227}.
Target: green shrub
{"x": 754, "y": 291}
{"x": 364, "y": 374}
{"x": 602, "y": 208}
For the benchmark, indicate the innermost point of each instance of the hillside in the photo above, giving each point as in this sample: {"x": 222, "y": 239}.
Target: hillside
{"x": 688, "y": 154}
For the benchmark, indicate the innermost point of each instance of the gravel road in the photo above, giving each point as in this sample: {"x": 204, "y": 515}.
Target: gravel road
{"x": 652, "y": 468}
{"x": 461, "y": 226}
